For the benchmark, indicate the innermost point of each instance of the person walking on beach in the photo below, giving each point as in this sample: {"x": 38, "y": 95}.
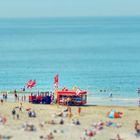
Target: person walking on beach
{"x": 110, "y": 95}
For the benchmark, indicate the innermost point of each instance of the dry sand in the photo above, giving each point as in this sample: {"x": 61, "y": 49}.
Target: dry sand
{"x": 89, "y": 115}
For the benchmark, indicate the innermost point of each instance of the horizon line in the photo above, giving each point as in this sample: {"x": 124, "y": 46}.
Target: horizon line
{"x": 33, "y": 17}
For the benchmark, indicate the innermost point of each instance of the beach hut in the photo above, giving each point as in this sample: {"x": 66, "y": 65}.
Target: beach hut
{"x": 42, "y": 97}
{"x": 73, "y": 97}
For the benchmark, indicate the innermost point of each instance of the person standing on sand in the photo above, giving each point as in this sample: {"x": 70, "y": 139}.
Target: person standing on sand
{"x": 79, "y": 111}
{"x": 137, "y": 127}
{"x": 20, "y": 108}
{"x": 24, "y": 98}
{"x": 14, "y": 113}
{"x": 17, "y": 116}
{"x": 15, "y": 91}
{"x": 15, "y": 94}
{"x": 69, "y": 112}
{"x": 18, "y": 98}
{"x": 6, "y": 95}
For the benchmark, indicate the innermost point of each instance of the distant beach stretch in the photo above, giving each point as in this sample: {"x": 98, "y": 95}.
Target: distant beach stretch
{"x": 91, "y": 99}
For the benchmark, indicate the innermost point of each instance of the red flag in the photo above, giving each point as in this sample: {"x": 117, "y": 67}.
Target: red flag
{"x": 56, "y": 80}
{"x": 31, "y": 83}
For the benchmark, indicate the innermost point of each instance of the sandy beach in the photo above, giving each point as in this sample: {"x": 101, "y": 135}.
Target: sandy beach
{"x": 89, "y": 115}
{"x": 70, "y": 70}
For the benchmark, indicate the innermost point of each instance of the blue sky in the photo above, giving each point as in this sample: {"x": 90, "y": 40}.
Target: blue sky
{"x": 60, "y": 8}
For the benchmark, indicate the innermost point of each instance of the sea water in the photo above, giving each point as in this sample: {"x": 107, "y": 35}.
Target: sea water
{"x": 97, "y": 54}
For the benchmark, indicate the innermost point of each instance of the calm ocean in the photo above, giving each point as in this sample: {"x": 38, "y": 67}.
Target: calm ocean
{"x": 99, "y": 54}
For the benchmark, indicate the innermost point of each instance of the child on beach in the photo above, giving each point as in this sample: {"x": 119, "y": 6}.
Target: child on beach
{"x": 14, "y": 113}
{"x": 61, "y": 121}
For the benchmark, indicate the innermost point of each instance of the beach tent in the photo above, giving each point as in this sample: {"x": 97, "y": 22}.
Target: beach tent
{"x": 114, "y": 114}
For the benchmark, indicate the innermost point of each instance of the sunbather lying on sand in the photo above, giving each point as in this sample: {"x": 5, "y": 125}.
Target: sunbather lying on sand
{"x": 48, "y": 137}
{"x": 5, "y": 137}
{"x": 110, "y": 123}
{"x": 76, "y": 122}
{"x": 29, "y": 127}
{"x": 62, "y": 114}
{"x": 32, "y": 113}
{"x": 51, "y": 122}
{"x": 42, "y": 124}
{"x": 88, "y": 134}
{"x": 98, "y": 126}
{"x": 117, "y": 138}
{"x": 3, "y": 120}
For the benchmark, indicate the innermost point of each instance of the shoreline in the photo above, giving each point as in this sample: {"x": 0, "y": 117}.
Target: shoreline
{"x": 91, "y": 100}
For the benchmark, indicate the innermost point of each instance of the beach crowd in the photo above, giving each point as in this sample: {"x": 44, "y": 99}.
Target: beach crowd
{"x": 65, "y": 117}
